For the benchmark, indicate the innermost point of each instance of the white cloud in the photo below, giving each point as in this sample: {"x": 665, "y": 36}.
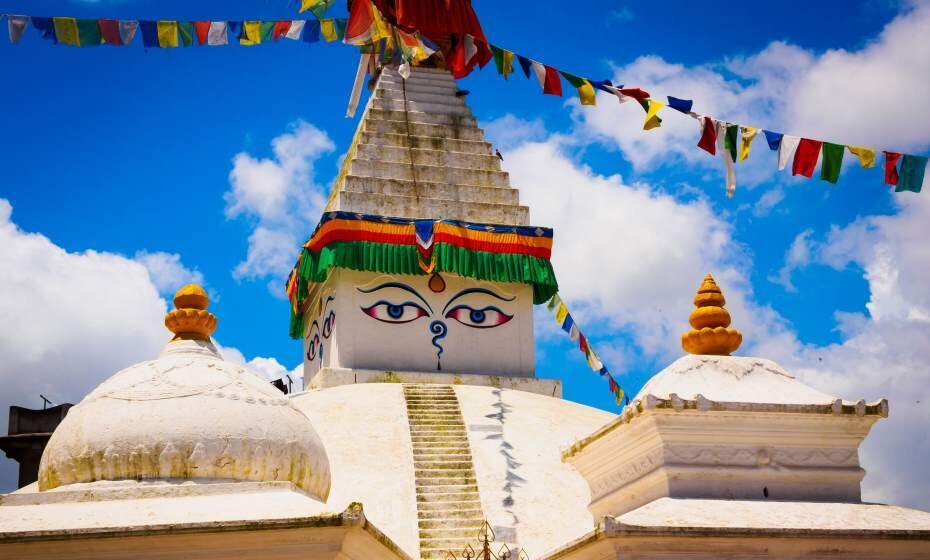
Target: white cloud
{"x": 798, "y": 256}
{"x": 280, "y": 197}
{"x": 509, "y": 131}
{"x": 167, "y": 271}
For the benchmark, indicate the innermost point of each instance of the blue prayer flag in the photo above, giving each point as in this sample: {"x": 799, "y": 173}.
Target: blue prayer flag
{"x": 525, "y": 64}
{"x": 567, "y": 323}
{"x": 149, "y": 33}
{"x": 46, "y": 28}
{"x": 312, "y": 31}
{"x": 683, "y": 105}
{"x": 234, "y": 28}
{"x": 599, "y": 84}
{"x": 773, "y": 138}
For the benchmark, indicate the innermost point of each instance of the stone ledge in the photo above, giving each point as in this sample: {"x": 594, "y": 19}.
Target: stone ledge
{"x": 330, "y": 377}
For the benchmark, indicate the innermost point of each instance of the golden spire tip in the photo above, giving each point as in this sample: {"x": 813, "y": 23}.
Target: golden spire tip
{"x": 190, "y": 319}
{"x": 709, "y": 332}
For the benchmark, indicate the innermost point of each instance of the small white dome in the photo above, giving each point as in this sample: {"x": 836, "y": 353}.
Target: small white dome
{"x": 186, "y": 415}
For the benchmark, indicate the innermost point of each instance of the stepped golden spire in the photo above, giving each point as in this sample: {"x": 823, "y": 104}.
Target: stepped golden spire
{"x": 190, "y": 319}
{"x": 709, "y": 332}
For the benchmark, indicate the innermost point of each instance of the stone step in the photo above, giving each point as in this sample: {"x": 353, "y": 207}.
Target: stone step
{"x": 450, "y": 532}
{"x": 426, "y": 397}
{"x": 440, "y": 506}
{"x": 463, "y": 467}
{"x": 420, "y": 97}
{"x": 426, "y": 452}
{"x": 437, "y": 88}
{"x": 418, "y": 80}
{"x": 424, "y": 478}
{"x": 438, "y": 439}
{"x": 432, "y": 403}
{"x": 433, "y": 173}
{"x": 447, "y": 108}
{"x": 419, "y": 71}
{"x": 454, "y": 488}
{"x": 474, "y": 519}
{"x": 430, "y": 472}
{"x": 444, "y": 420}
{"x": 443, "y": 497}
{"x": 423, "y": 208}
{"x": 426, "y": 142}
{"x": 420, "y": 117}
{"x": 420, "y": 129}
{"x": 427, "y": 157}
{"x": 446, "y": 545}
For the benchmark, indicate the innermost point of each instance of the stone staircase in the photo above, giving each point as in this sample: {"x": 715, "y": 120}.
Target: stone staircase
{"x": 448, "y": 504}
{"x": 419, "y": 153}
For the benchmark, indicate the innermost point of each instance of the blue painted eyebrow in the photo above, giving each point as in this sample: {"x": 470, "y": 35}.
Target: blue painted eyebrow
{"x": 399, "y": 286}
{"x": 485, "y": 291}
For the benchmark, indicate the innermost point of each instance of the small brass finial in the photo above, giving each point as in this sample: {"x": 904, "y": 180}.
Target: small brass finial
{"x": 190, "y": 319}
{"x": 709, "y": 332}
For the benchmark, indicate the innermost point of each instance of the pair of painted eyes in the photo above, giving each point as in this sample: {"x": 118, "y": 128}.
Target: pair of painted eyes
{"x": 484, "y": 318}
{"x": 327, "y": 330}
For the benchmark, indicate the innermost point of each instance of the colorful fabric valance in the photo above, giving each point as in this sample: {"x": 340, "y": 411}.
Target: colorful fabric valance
{"x": 403, "y": 246}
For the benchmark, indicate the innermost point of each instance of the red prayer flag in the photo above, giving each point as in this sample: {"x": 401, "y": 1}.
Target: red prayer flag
{"x": 805, "y": 158}
{"x": 636, "y": 94}
{"x": 613, "y": 385}
{"x": 891, "y": 167}
{"x": 708, "y": 141}
{"x": 281, "y": 28}
{"x": 203, "y": 31}
{"x": 553, "y": 84}
{"x": 582, "y": 343}
{"x": 109, "y": 30}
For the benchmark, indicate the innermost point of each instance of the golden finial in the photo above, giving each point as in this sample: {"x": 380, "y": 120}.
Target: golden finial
{"x": 190, "y": 319}
{"x": 709, "y": 333}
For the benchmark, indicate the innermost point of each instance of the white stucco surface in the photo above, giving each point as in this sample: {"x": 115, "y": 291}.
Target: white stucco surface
{"x": 364, "y": 429}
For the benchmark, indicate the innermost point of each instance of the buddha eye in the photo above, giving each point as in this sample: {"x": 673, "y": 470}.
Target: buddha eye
{"x": 485, "y": 318}
{"x": 311, "y": 348}
{"x": 328, "y": 324}
{"x": 388, "y": 312}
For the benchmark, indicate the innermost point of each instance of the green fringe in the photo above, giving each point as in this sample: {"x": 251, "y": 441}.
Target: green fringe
{"x": 403, "y": 259}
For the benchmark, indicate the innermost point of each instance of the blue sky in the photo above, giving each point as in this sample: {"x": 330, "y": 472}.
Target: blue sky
{"x": 117, "y": 151}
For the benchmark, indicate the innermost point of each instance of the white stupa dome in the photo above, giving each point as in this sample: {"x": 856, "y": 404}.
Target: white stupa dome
{"x": 188, "y": 414}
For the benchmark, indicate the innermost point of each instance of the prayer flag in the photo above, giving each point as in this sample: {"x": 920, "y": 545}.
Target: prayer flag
{"x": 296, "y": 29}
{"x": 866, "y": 156}
{"x": 891, "y": 167}
{"x": 89, "y": 33}
{"x": 340, "y": 28}
{"x": 561, "y": 313}
{"x": 773, "y": 139}
{"x": 912, "y": 173}
{"x": 525, "y": 64}
{"x": 202, "y": 28}
{"x": 316, "y": 7}
{"x": 635, "y": 93}
{"x": 652, "y": 114}
{"x": 234, "y": 28}
{"x": 805, "y": 158}
{"x": 728, "y": 156}
{"x": 46, "y": 28}
{"x": 281, "y": 28}
{"x": 217, "y": 35}
{"x": 730, "y": 139}
{"x": 832, "y": 161}
{"x": 574, "y": 333}
{"x": 312, "y": 31}
{"x": 66, "y": 31}
{"x": 251, "y": 33}
{"x": 786, "y": 149}
{"x": 708, "y": 141}
{"x": 186, "y": 30}
{"x": 149, "y": 33}
{"x": 109, "y": 31}
{"x": 553, "y": 84}
{"x": 267, "y": 31}
{"x": 554, "y": 302}
{"x": 584, "y": 87}
{"x": 16, "y": 26}
{"x": 568, "y": 323}
{"x": 328, "y": 28}
{"x": 604, "y": 85}
{"x": 683, "y": 105}
{"x": 127, "y": 30}
{"x": 593, "y": 361}
{"x": 582, "y": 343}
{"x": 167, "y": 34}
{"x": 503, "y": 59}
{"x": 747, "y": 134}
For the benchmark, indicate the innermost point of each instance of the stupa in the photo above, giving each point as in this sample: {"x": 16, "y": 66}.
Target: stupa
{"x": 423, "y": 422}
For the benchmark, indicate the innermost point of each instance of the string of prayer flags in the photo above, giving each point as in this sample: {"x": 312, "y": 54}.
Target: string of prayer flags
{"x": 681, "y": 105}
{"x": 832, "y": 161}
{"x": 568, "y": 324}
{"x": 16, "y": 26}
{"x": 503, "y": 60}
{"x": 866, "y": 156}
{"x": 747, "y": 135}
{"x": 366, "y": 24}
{"x": 912, "y": 173}
{"x": 585, "y": 89}
{"x": 316, "y": 7}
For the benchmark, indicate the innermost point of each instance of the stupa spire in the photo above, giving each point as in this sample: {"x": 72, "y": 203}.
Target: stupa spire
{"x": 710, "y": 322}
{"x": 190, "y": 319}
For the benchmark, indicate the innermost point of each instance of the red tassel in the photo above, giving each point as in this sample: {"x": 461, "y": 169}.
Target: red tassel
{"x": 708, "y": 141}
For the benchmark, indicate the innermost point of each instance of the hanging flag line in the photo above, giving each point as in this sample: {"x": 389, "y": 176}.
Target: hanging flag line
{"x": 80, "y": 32}
{"x": 567, "y": 323}
{"x": 732, "y": 141}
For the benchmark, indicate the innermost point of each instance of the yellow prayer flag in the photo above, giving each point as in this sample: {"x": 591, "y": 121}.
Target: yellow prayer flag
{"x": 308, "y": 4}
{"x": 66, "y": 31}
{"x": 251, "y": 33}
{"x": 167, "y": 34}
{"x": 748, "y": 134}
{"x": 507, "y": 58}
{"x": 561, "y": 313}
{"x": 587, "y": 95}
{"x": 328, "y": 28}
{"x": 652, "y": 114}
{"x": 866, "y": 156}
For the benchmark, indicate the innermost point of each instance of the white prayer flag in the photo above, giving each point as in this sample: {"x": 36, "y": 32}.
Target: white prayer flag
{"x": 127, "y": 30}
{"x": 540, "y": 70}
{"x": 296, "y": 29}
{"x": 17, "y": 25}
{"x": 217, "y": 34}
{"x": 786, "y": 150}
{"x": 727, "y": 158}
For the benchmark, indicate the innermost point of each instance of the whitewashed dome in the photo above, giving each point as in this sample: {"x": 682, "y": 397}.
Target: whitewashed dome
{"x": 187, "y": 414}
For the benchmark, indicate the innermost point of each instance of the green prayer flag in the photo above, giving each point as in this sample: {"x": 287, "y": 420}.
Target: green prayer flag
{"x": 340, "y": 28}
{"x": 832, "y": 161}
{"x": 186, "y": 29}
{"x": 267, "y": 31}
{"x": 731, "y": 140}
{"x": 911, "y": 177}
{"x": 89, "y": 32}
{"x": 574, "y": 80}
